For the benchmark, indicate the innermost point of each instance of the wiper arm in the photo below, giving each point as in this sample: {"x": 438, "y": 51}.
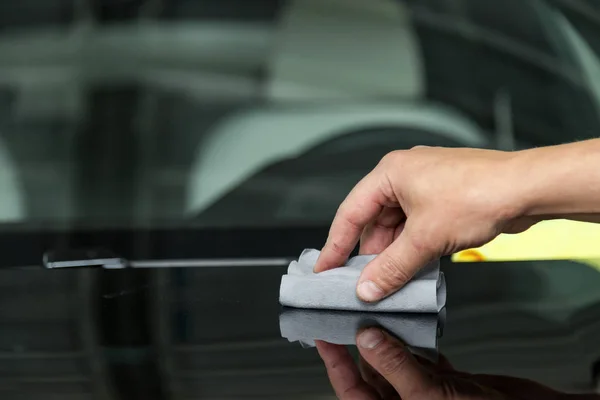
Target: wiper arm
{"x": 103, "y": 258}
{"x": 82, "y": 258}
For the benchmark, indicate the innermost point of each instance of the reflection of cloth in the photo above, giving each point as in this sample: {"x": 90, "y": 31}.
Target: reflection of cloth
{"x": 418, "y": 331}
{"x": 336, "y": 289}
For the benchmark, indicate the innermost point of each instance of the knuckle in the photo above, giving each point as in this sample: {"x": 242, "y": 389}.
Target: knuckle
{"x": 422, "y": 245}
{"x": 392, "y": 360}
{"x": 391, "y": 158}
{"x": 347, "y": 214}
{"x": 342, "y": 211}
{"x": 386, "y": 187}
{"x": 337, "y": 248}
{"x": 393, "y": 272}
{"x": 334, "y": 364}
{"x": 427, "y": 239}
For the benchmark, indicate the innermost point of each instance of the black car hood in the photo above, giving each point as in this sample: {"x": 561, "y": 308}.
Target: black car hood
{"x": 213, "y": 332}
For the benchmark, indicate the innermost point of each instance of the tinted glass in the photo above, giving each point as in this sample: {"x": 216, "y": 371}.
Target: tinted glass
{"x": 224, "y": 113}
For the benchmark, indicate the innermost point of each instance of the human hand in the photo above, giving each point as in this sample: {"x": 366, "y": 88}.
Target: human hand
{"x": 389, "y": 371}
{"x": 420, "y": 204}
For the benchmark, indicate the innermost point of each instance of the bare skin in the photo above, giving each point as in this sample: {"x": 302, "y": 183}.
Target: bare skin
{"x": 420, "y": 204}
{"x": 387, "y": 370}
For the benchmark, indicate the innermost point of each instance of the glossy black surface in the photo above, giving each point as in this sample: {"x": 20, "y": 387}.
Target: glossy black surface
{"x": 213, "y": 333}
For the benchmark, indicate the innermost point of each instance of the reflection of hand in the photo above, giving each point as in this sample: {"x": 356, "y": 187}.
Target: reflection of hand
{"x": 389, "y": 371}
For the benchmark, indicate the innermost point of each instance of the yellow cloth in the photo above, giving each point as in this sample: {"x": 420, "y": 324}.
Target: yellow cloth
{"x": 548, "y": 240}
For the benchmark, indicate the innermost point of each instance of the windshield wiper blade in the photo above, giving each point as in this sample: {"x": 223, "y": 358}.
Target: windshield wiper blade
{"x": 83, "y": 258}
{"x": 103, "y": 258}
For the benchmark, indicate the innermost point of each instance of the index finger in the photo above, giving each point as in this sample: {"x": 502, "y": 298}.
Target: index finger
{"x": 343, "y": 372}
{"x": 395, "y": 363}
{"x": 362, "y": 205}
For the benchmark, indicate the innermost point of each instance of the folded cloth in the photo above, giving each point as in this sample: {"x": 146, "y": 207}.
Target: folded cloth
{"x": 341, "y": 327}
{"x": 336, "y": 289}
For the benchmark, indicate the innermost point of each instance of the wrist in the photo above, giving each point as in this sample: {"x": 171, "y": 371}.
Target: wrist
{"x": 518, "y": 198}
{"x": 529, "y": 185}
{"x": 558, "y": 181}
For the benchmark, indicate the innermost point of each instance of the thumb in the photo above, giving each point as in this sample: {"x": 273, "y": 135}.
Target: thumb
{"x": 396, "y": 265}
{"x": 395, "y": 363}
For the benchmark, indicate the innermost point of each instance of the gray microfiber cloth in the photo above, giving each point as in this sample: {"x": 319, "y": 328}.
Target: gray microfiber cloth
{"x": 419, "y": 332}
{"x": 336, "y": 289}
{"x": 341, "y": 327}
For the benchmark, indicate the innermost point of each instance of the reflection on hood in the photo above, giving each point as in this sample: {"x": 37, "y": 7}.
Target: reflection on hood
{"x": 418, "y": 331}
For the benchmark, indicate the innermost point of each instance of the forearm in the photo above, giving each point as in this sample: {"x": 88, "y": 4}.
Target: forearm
{"x": 560, "y": 181}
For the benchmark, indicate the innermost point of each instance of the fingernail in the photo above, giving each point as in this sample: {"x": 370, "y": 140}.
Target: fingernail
{"x": 369, "y": 291}
{"x": 370, "y": 338}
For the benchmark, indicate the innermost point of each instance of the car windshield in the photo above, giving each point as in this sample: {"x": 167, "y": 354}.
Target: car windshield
{"x": 163, "y": 161}
{"x": 265, "y": 113}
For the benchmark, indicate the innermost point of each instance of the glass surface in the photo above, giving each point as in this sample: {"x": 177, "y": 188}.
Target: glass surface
{"x": 222, "y": 113}
{"x": 213, "y": 333}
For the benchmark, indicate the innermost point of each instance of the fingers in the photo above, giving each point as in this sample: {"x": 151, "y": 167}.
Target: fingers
{"x": 375, "y": 380}
{"x": 381, "y": 232}
{"x": 363, "y": 205}
{"x": 395, "y": 363}
{"x": 343, "y": 373}
{"x": 395, "y": 266}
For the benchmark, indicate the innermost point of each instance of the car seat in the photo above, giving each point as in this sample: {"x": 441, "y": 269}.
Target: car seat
{"x": 12, "y": 207}
{"x": 261, "y": 154}
{"x": 313, "y": 111}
